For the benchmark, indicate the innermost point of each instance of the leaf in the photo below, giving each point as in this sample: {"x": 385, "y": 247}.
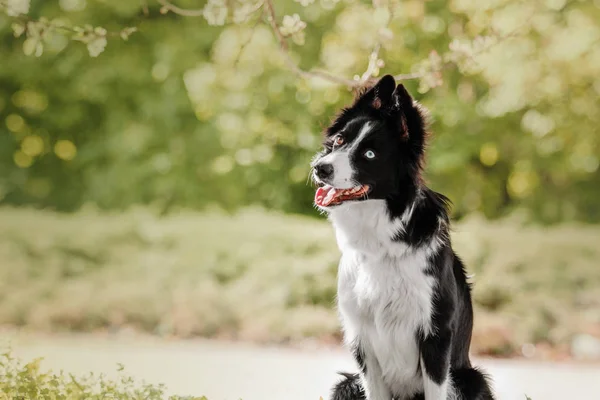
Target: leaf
{"x": 33, "y": 366}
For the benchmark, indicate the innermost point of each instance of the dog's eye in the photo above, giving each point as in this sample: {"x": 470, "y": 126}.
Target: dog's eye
{"x": 370, "y": 154}
{"x": 338, "y": 140}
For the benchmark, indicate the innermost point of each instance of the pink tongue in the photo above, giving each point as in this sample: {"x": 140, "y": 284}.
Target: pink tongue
{"x": 321, "y": 197}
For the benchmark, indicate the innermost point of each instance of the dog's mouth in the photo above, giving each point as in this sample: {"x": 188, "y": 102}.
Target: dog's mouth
{"x": 328, "y": 195}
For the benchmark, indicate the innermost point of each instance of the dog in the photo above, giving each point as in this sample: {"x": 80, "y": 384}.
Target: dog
{"x": 403, "y": 295}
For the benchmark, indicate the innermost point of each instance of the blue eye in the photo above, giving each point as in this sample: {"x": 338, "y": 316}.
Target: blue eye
{"x": 370, "y": 154}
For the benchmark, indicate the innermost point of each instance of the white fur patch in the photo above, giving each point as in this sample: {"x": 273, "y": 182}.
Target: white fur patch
{"x": 375, "y": 387}
{"x": 364, "y": 131}
{"x": 343, "y": 170}
{"x": 384, "y": 295}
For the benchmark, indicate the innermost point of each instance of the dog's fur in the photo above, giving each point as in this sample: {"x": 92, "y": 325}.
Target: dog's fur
{"x": 403, "y": 295}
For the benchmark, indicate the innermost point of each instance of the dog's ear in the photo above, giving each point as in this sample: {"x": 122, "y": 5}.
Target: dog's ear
{"x": 403, "y": 98}
{"x": 380, "y": 96}
{"x": 403, "y": 101}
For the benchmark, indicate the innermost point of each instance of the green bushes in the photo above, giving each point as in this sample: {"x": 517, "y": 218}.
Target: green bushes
{"x": 19, "y": 381}
{"x": 266, "y": 277}
{"x": 189, "y": 274}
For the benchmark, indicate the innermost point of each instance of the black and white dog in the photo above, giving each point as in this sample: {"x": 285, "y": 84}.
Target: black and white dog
{"x": 403, "y": 295}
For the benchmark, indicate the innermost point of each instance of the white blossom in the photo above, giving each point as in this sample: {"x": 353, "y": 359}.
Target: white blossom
{"x": 17, "y": 7}
{"x": 96, "y": 46}
{"x": 292, "y": 24}
{"x": 305, "y": 2}
{"x": 215, "y": 12}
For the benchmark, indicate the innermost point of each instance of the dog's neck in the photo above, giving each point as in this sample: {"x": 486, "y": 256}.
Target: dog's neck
{"x": 370, "y": 226}
{"x": 392, "y": 226}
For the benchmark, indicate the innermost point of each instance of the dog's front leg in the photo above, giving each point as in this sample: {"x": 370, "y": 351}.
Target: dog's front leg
{"x": 375, "y": 388}
{"x": 372, "y": 377}
{"x": 435, "y": 365}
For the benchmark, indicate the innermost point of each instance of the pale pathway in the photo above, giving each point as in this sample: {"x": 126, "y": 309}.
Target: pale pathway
{"x": 226, "y": 371}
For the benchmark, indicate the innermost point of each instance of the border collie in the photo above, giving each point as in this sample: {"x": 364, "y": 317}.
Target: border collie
{"x": 403, "y": 295}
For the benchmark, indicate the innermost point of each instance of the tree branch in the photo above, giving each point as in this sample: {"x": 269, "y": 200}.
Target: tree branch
{"x": 269, "y": 11}
{"x": 316, "y": 73}
{"x": 407, "y": 77}
{"x": 168, "y": 6}
{"x": 352, "y": 83}
{"x": 283, "y": 46}
{"x": 144, "y": 5}
{"x": 446, "y": 64}
{"x": 373, "y": 57}
{"x": 26, "y": 19}
{"x": 247, "y": 41}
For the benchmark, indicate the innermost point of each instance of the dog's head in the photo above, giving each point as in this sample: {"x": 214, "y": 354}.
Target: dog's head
{"x": 374, "y": 148}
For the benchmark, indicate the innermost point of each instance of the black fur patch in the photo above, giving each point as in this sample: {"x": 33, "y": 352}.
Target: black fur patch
{"x": 349, "y": 388}
{"x": 430, "y": 208}
{"x": 359, "y": 356}
{"x": 435, "y": 351}
{"x": 472, "y": 384}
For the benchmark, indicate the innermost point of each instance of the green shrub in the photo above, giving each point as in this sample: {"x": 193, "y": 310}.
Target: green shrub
{"x": 268, "y": 277}
{"x": 26, "y": 381}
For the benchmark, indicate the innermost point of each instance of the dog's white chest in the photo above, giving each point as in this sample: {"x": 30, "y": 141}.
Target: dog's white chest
{"x": 384, "y": 295}
{"x": 383, "y": 304}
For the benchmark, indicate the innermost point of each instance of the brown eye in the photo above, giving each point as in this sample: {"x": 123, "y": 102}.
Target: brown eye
{"x": 338, "y": 140}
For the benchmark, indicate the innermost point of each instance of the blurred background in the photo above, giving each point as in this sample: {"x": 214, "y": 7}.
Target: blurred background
{"x": 154, "y": 162}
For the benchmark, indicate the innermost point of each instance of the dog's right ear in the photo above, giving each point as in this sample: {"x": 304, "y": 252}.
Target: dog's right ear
{"x": 403, "y": 98}
{"x": 380, "y": 96}
{"x": 403, "y": 101}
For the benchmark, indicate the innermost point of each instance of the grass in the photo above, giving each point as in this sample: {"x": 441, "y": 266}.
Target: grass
{"x": 265, "y": 277}
{"x": 27, "y": 381}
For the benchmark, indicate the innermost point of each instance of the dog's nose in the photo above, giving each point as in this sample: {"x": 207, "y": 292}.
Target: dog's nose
{"x": 323, "y": 171}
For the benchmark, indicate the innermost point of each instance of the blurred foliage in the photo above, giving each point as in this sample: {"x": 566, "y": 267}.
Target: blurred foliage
{"x": 177, "y": 276}
{"x": 192, "y": 112}
{"x": 19, "y": 381}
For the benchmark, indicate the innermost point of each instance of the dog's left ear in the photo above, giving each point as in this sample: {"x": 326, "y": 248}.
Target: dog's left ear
{"x": 381, "y": 96}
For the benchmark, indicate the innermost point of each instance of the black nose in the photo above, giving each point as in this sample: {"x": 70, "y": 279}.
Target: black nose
{"x": 324, "y": 171}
